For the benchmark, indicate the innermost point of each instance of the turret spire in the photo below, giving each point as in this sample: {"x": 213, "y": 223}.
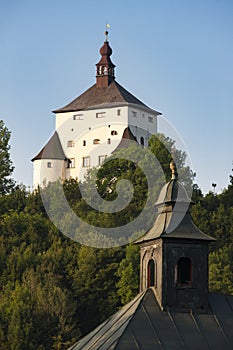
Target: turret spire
{"x": 105, "y": 67}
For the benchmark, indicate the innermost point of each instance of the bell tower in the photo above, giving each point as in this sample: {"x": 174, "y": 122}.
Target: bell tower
{"x": 105, "y": 67}
{"x": 174, "y": 252}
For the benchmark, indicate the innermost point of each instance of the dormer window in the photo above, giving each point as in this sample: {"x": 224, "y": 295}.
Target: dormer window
{"x": 114, "y": 132}
{"x": 184, "y": 272}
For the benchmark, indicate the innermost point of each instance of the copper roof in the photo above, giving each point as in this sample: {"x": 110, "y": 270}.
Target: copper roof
{"x": 174, "y": 219}
{"x": 97, "y": 96}
{"x": 52, "y": 150}
{"x": 142, "y": 325}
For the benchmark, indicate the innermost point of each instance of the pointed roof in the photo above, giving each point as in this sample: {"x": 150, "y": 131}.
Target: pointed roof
{"x": 94, "y": 96}
{"x": 142, "y": 325}
{"x": 127, "y": 137}
{"x": 52, "y": 150}
{"x": 106, "y": 91}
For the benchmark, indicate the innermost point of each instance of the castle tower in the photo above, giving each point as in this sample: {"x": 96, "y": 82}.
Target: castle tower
{"x": 105, "y": 67}
{"x": 93, "y": 125}
{"x": 174, "y": 252}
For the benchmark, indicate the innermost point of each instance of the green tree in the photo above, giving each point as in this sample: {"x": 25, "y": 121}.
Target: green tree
{"x": 6, "y": 167}
{"x": 128, "y": 273}
{"x": 220, "y": 270}
{"x": 95, "y": 285}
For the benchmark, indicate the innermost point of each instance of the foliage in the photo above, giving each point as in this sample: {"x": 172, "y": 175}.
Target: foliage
{"x": 6, "y": 167}
{"x": 53, "y": 290}
{"x": 128, "y": 273}
{"x": 220, "y": 272}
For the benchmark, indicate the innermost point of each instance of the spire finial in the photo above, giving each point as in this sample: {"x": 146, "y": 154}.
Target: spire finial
{"x": 174, "y": 170}
{"x": 106, "y": 31}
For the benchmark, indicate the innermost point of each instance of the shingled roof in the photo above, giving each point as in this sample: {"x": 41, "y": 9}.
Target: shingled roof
{"x": 142, "y": 325}
{"x": 52, "y": 150}
{"x": 126, "y": 139}
{"x": 94, "y": 96}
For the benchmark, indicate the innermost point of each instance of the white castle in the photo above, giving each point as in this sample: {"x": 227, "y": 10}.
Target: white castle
{"x": 92, "y": 126}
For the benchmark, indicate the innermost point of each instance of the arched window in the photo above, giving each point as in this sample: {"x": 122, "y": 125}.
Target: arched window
{"x": 151, "y": 274}
{"x": 96, "y": 141}
{"x": 113, "y": 132}
{"x": 109, "y": 141}
{"x": 184, "y": 272}
{"x": 142, "y": 141}
{"x": 84, "y": 143}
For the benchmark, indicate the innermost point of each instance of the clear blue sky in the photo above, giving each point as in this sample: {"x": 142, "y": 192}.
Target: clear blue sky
{"x": 176, "y": 56}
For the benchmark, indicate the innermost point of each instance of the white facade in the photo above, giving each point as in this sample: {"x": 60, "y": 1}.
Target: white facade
{"x": 92, "y": 126}
{"x": 90, "y": 135}
{"x": 48, "y": 170}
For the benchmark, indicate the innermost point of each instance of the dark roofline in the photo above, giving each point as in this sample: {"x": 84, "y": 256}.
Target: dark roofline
{"x": 94, "y": 96}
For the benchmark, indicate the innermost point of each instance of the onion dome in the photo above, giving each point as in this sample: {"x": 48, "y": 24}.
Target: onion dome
{"x": 105, "y": 67}
{"x": 173, "y": 192}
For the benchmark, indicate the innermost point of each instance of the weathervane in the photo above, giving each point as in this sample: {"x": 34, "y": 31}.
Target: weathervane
{"x": 106, "y": 31}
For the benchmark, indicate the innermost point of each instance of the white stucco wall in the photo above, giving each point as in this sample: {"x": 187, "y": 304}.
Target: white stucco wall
{"x": 42, "y": 174}
{"x": 78, "y": 130}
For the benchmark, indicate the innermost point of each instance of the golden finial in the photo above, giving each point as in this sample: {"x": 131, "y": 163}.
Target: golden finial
{"x": 174, "y": 170}
{"x": 106, "y": 31}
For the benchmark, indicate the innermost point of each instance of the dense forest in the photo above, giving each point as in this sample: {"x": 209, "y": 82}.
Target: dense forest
{"x": 53, "y": 290}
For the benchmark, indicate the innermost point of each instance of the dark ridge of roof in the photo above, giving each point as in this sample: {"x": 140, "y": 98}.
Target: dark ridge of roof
{"x": 127, "y": 137}
{"x": 142, "y": 325}
{"x": 96, "y": 96}
{"x": 52, "y": 150}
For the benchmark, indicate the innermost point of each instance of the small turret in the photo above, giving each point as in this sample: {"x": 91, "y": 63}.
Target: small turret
{"x": 174, "y": 252}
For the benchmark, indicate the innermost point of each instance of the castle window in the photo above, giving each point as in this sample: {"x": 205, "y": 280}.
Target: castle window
{"x": 151, "y": 274}
{"x": 102, "y": 159}
{"x": 86, "y": 162}
{"x": 134, "y": 114}
{"x": 70, "y": 144}
{"x": 150, "y": 119}
{"x": 100, "y": 114}
{"x": 96, "y": 141}
{"x": 49, "y": 165}
{"x": 84, "y": 143}
{"x": 118, "y": 112}
{"x": 109, "y": 141}
{"x": 78, "y": 117}
{"x": 142, "y": 141}
{"x": 71, "y": 163}
{"x": 184, "y": 272}
{"x": 113, "y": 132}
